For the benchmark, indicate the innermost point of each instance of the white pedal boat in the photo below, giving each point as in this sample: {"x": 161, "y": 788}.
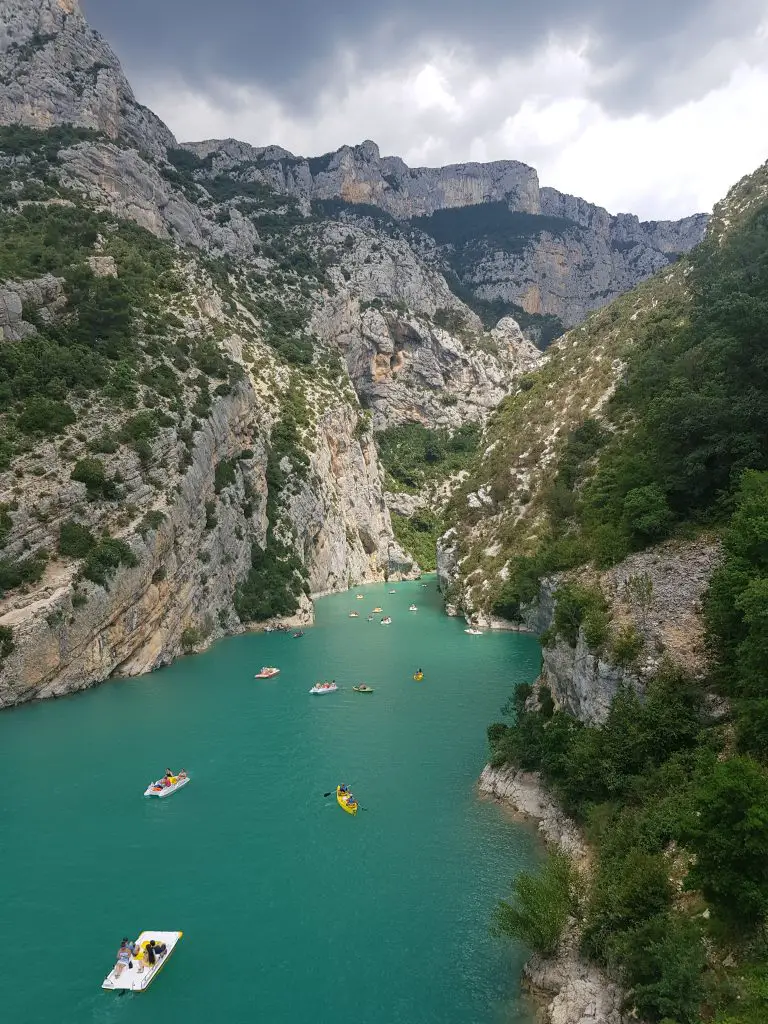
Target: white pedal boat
{"x": 413, "y": 608}
{"x": 153, "y": 790}
{"x": 474, "y": 632}
{"x": 140, "y": 975}
{"x": 386, "y": 622}
{"x": 324, "y": 689}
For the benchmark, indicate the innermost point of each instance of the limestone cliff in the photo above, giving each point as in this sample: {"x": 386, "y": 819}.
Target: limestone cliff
{"x": 500, "y": 236}
{"x": 54, "y": 69}
{"x": 188, "y": 510}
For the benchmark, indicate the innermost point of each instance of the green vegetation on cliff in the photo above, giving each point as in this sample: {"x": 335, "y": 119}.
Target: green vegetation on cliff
{"x": 414, "y": 455}
{"x": 673, "y": 789}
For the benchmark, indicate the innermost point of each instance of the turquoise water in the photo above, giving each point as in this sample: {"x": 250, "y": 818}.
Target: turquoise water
{"x": 293, "y": 912}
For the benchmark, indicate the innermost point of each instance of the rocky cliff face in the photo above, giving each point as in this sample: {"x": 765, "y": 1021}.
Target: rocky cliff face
{"x": 561, "y": 257}
{"x": 211, "y": 428}
{"x": 359, "y": 174}
{"x": 54, "y": 69}
{"x": 189, "y": 513}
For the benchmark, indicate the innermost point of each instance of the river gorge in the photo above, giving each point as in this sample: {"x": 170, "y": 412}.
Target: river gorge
{"x": 291, "y": 910}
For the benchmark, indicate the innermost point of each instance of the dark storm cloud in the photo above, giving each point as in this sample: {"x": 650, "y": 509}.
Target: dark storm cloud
{"x": 295, "y": 48}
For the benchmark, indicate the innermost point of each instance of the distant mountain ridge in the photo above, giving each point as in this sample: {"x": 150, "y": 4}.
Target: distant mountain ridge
{"x": 574, "y": 259}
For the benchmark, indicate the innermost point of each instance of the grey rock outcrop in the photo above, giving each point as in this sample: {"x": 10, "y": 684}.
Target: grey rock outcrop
{"x": 658, "y": 593}
{"x": 43, "y": 298}
{"x": 55, "y": 69}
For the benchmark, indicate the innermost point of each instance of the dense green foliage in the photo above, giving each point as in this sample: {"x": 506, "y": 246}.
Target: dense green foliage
{"x": 472, "y": 228}
{"x": 417, "y": 535}
{"x": 541, "y": 905}
{"x": 7, "y": 643}
{"x": 15, "y": 572}
{"x": 737, "y": 610}
{"x": 413, "y": 454}
{"x": 105, "y": 559}
{"x": 277, "y": 576}
{"x": 75, "y": 540}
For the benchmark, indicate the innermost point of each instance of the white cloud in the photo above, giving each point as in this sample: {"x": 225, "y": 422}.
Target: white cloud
{"x": 540, "y": 110}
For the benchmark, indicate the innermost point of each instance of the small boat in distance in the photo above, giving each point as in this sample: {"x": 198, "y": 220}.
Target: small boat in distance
{"x": 386, "y": 621}
{"x": 299, "y": 634}
{"x": 413, "y": 608}
{"x": 418, "y": 676}
{"x": 377, "y": 609}
{"x": 345, "y": 800}
{"x": 324, "y": 688}
{"x": 267, "y": 672}
{"x": 393, "y": 591}
{"x": 362, "y": 688}
{"x": 354, "y": 615}
{"x": 167, "y": 785}
{"x": 359, "y": 596}
{"x": 474, "y": 632}
{"x": 141, "y": 970}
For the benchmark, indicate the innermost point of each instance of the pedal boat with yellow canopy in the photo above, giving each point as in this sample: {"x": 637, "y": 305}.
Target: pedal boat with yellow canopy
{"x": 139, "y": 976}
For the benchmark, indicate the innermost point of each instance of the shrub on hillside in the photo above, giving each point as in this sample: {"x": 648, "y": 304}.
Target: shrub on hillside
{"x": 540, "y": 906}
{"x": 75, "y": 540}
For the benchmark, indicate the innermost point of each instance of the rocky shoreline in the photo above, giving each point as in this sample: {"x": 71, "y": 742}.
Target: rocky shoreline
{"x": 566, "y": 988}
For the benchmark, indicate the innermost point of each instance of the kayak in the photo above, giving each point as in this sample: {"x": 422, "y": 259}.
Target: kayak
{"x": 140, "y": 974}
{"x": 159, "y": 790}
{"x": 267, "y": 672}
{"x": 344, "y": 801}
{"x": 363, "y": 688}
{"x": 474, "y": 632}
{"x": 418, "y": 676}
{"x": 324, "y": 689}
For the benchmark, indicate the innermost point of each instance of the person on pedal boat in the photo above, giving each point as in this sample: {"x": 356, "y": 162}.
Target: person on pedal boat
{"x": 124, "y": 954}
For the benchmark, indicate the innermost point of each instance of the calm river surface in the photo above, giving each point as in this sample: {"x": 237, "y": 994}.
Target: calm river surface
{"x": 292, "y": 911}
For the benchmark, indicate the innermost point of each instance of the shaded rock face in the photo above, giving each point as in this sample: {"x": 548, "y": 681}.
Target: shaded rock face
{"x": 581, "y": 268}
{"x": 54, "y": 69}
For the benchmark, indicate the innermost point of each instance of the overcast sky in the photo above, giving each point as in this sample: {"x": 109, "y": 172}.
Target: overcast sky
{"x": 649, "y": 106}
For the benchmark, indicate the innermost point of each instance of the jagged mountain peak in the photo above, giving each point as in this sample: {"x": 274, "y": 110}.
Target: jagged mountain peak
{"x": 55, "y": 69}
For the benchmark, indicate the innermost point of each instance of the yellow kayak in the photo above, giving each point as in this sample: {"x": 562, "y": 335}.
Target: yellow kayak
{"x": 418, "y": 676}
{"x": 350, "y": 806}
